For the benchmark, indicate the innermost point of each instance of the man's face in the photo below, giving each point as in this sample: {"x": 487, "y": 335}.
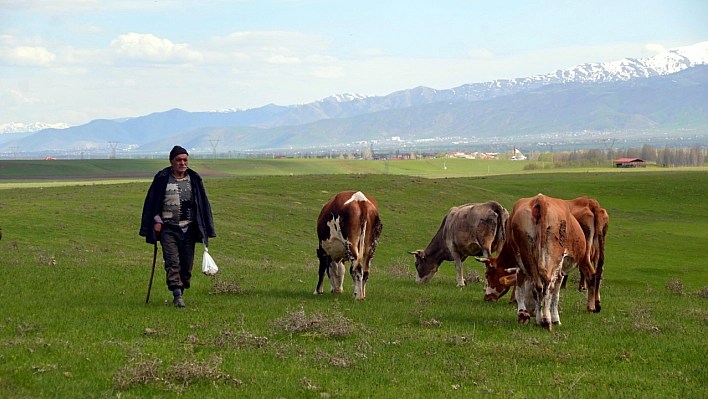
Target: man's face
{"x": 179, "y": 163}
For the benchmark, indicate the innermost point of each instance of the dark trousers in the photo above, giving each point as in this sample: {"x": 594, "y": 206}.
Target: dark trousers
{"x": 178, "y": 253}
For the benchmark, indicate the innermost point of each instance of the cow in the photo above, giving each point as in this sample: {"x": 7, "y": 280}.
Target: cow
{"x": 594, "y": 221}
{"x": 348, "y": 229}
{"x": 467, "y": 230}
{"x": 548, "y": 242}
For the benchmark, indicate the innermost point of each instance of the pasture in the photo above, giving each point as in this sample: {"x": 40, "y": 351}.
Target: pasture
{"x": 74, "y": 323}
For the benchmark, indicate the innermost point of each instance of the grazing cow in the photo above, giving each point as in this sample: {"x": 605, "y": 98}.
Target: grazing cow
{"x": 467, "y": 230}
{"x": 500, "y": 273}
{"x": 548, "y": 242}
{"x": 592, "y": 219}
{"x": 348, "y": 229}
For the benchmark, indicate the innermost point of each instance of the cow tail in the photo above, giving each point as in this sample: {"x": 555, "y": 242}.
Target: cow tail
{"x": 378, "y": 227}
{"x": 601, "y": 244}
{"x": 500, "y": 235}
{"x": 539, "y": 213}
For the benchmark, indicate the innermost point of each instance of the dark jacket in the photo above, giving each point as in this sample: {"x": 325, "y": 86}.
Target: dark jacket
{"x": 156, "y": 196}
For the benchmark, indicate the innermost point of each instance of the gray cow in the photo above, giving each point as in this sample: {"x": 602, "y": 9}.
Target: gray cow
{"x": 467, "y": 230}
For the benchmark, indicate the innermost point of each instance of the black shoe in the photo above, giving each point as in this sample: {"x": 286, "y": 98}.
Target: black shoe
{"x": 178, "y": 302}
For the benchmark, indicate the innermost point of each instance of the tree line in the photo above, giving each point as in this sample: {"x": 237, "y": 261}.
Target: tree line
{"x": 666, "y": 156}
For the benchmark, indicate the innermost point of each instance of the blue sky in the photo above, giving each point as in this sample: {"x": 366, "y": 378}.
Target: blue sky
{"x": 73, "y": 61}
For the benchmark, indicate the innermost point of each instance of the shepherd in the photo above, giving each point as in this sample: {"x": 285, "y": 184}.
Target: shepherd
{"x": 177, "y": 213}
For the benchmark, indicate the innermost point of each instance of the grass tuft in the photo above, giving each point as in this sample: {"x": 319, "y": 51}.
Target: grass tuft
{"x": 400, "y": 267}
{"x": 419, "y": 312}
{"x": 676, "y": 285}
{"x": 332, "y": 324}
{"x": 225, "y": 286}
{"x": 703, "y": 292}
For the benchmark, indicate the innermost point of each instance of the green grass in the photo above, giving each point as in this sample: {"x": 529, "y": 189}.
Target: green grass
{"x": 74, "y": 323}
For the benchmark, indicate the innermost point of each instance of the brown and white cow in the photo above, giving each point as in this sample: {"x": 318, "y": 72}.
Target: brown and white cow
{"x": 348, "y": 229}
{"x": 467, "y": 230}
{"x": 592, "y": 219}
{"x": 548, "y": 242}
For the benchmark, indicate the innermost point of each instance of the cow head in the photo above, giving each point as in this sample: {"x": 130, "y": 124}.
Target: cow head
{"x": 498, "y": 279}
{"x": 425, "y": 268}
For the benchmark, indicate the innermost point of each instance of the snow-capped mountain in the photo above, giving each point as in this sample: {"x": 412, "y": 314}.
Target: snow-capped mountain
{"x": 348, "y": 105}
{"x": 16, "y": 127}
{"x": 664, "y": 63}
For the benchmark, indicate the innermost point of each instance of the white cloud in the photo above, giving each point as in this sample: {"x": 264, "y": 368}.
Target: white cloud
{"x": 84, "y": 29}
{"x": 26, "y": 56}
{"x": 369, "y": 52}
{"x": 329, "y": 72}
{"x": 283, "y": 60}
{"x": 480, "y": 53}
{"x": 147, "y": 47}
{"x": 321, "y": 59}
{"x": 657, "y": 48}
{"x": 123, "y": 83}
{"x": 12, "y": 97}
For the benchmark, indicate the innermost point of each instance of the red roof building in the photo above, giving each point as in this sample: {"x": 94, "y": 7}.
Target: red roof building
{"x": 630, "y": 163}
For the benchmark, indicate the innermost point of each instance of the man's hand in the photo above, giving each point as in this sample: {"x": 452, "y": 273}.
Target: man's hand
{"x": 158, "y": 228}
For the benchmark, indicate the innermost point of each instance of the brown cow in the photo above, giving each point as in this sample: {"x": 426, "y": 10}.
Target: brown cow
{"x": 348, "y": 229}
{"x": 548, "y": 242}
{"x": 595, "y": 222}
{"x": 592, "y": 219}
{"x": 467, "y": 230}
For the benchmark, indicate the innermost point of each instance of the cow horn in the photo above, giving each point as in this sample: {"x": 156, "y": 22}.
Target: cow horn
{"x": 419, "y": 252}
{"x": 483, "y": 260}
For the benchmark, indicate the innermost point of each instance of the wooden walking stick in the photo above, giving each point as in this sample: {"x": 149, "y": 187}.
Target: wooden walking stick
{"x": 154, "y": 259}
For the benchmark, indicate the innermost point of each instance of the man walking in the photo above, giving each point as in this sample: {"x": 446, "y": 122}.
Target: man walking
{"x": 177, "y": 213}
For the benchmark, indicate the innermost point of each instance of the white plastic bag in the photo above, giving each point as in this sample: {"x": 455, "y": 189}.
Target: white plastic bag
{"x": 208, "y": 265}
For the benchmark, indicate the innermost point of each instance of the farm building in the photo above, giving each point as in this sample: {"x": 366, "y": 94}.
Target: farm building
{"x": 630, "y": 163}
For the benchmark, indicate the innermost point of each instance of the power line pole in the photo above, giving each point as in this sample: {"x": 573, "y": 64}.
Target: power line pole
{"x": 14, "y": 152}
{"x": 609, "y": 148}
{"x": 113, "y": 145}
{"x": 214, "y": 143}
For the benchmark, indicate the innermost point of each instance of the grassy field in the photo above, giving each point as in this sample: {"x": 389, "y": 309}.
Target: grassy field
{"x": 74, "y": 323}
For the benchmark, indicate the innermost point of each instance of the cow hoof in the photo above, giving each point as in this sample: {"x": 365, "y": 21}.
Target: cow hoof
{"x": 597, "y": 308}
{"x": 547, "y": 325}
{"x": 582, "y": 289}
{"x": 557, "y": 323}
{"x": 524, "y": 317}
{"x": 317, "y": 293}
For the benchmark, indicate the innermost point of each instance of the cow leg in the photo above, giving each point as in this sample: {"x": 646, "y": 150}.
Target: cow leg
{"x": 357, "y": 273}
{"x": 324, "y": 267}
{"x": 598, "y": 278}
{"x": 581, "y": 284}
{"x": 588, "y": 271}
{"x": 521, "y": 290}
{"x": 555, "y": 298}
{"x": 460, "y": 273}
{"x": 336, "y": 276}
{"x": 320, "y": 281}
{"x": 513, "y": 295}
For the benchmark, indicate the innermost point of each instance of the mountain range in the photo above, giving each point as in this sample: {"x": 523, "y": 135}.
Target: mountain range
{"x": 668, "y": 92}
